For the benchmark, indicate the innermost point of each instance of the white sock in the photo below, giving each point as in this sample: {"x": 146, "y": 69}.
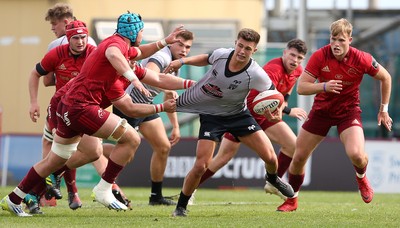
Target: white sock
{"x": 19, "y": 193}
{"x": 104, "y": 185}
{"x": 360, "y": 175}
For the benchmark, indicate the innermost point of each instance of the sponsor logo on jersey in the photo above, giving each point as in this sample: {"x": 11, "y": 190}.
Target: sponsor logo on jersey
{"x": 212, "y": 90}
{"x": 64, "y": 118}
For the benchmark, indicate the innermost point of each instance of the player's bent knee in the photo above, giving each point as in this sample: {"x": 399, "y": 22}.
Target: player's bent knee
{"x": 64, "y": 151}
{"x": 132, "y": 138}
{"x": 119, "y": 130}
{"x": 93, "y": 156}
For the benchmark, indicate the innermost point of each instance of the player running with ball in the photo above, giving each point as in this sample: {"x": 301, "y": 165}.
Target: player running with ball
{"x": 219, "y": 98}
{"x": 284, "y": 72}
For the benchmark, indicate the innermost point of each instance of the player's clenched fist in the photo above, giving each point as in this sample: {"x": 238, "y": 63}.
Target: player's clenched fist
{"x": 170, "y": 105}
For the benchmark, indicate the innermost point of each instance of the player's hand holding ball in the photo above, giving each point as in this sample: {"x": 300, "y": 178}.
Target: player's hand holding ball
{"x": 268, "y": 104}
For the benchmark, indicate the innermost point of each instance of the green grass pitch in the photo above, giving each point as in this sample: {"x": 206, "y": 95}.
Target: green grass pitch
{"x": 220, "y": 208}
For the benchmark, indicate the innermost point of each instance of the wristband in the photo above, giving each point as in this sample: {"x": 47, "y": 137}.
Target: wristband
{"x": 286, "y": 110}
{"x": 286, "y": 97}
{"x": 181, "y": 61}
{"x": 324, "y": 86}
{"x": 159, "y": 108}
{"x": 130, "y": 75}
{"x": 163, "y": 42}
{"x": 384, "y": 108}
{"x": 158, "y": 47}
{"x": 188, "y": 83}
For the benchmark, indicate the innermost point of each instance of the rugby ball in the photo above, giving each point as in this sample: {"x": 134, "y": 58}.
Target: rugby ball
{"x": 269, "y": 99}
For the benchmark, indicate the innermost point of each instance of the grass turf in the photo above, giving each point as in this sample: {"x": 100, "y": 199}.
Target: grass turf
{"x": 220, "y": 208}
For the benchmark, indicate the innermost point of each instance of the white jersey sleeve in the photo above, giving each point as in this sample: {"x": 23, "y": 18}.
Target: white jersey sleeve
{"x": 161, "y": 58}
{"x": 222, "y": 92}
{"x": 261, "y": 81}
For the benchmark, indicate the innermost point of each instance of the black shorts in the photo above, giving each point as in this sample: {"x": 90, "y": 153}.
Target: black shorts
{"x": 134, "y": 122}
{"x": 213, "y": 127}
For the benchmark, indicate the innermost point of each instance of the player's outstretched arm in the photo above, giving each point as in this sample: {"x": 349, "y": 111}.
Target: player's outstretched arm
{"x": 166, "y": 81}
{"x": 196, "y": 60}
{"x": 146, "y": 50}
{"x": 135, "y": 110}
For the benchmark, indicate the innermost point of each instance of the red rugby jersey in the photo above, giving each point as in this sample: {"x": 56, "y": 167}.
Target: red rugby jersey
{"x": 324, "y": 67}
{"x": 64, "y": 65}
{"x": 98, "y": 75}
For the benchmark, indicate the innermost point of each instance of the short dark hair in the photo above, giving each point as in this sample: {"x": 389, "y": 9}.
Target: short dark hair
{"x": 298, "y": 44}
{"x": 186, "y": 35}
{"x": 249, "y": 35}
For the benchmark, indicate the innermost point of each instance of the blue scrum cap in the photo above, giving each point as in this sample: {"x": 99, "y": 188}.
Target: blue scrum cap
{"x": 129, "y": 25}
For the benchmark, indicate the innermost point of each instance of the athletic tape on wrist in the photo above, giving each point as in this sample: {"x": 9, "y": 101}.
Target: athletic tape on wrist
{"x": 163, "y": 42}
{"x": 130, "y": 75}
{"x": 158, "y": 47}
{"x": 384, "y": 107}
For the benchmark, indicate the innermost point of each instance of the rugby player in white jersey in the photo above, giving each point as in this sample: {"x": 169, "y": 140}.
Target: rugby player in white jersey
{"x": 219, "y": 99}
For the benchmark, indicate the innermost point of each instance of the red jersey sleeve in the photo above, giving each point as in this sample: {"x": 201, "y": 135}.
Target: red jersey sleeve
{"x": 51, "y": 59}
{"x": 140, "y": 71}
{"x": 371, "y": 65}
{"x": 132, "y": 53}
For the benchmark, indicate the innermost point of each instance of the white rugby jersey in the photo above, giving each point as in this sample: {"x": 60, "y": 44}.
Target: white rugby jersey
{"x": 222, "y": 92}
{"x": 162, "y": 58}
{"x": 63, "y": 40}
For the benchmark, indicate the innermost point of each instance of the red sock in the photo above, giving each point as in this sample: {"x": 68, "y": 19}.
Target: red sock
{"x": 40, "y": 189}
{"x": 360, "y": 171}
{"x": 296, "y": 181}
{"x": 70, "y": 180}
{"x": 283, "y": 163}
{"x": 30, "y": 180}
{"x": 112, "y": 171}
{"x": 61, "y": 171}
{"x": 205, "y": 176}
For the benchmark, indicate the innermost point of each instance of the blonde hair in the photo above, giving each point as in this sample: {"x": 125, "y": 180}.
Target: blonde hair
{"x": 341, "y": 26}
